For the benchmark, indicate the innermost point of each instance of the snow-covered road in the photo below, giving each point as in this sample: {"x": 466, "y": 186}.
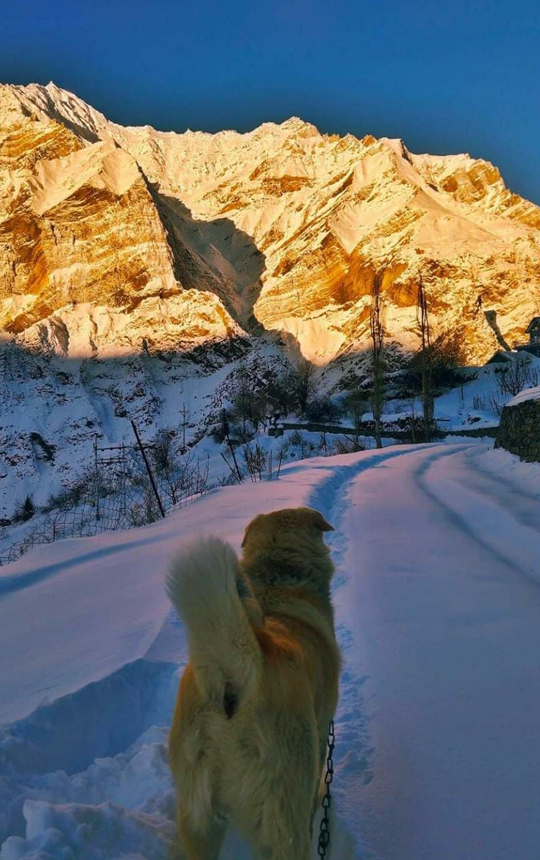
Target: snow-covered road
{"x": 443, "y": 604}
{"x": 438, "y": 609}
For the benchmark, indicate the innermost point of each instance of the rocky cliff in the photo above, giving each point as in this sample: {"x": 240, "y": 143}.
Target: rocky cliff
{"x": 285, "y": 226}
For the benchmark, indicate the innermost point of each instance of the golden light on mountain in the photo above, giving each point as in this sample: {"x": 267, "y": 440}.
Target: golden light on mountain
{"x": 111, "y": 234}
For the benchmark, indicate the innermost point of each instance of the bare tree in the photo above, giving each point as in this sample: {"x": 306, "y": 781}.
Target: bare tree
{"x": 184, "y": 424}
{"x": 413, "y": 419}
{"x": 377, "y": 358}
{"x": 178, "y": 476}
{"x": 242, "y": 395}
{"x": 303, "y": 382}
{"x": 517, "y": 376}
{"x": 426, "y": 360}
{"x": 355, "y": 404}
{"x": 280, "y": 395}
{"x": 249, "y": 403}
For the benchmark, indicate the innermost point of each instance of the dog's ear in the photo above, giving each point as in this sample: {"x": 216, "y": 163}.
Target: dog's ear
{"x": 248, "y": 528}
{"x": 320, "y": 522}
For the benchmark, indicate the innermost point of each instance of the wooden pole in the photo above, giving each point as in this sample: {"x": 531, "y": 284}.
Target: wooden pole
{"x": 96, "y": 476}
{"x": 148, "y": 469}
{"x": 233, "y": 473}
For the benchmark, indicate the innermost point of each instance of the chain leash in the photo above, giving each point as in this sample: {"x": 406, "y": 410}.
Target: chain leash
{"x": 324, "y": 832}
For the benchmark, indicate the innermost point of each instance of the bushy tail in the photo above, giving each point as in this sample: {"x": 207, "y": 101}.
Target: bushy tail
{"x": 211, "y": 597}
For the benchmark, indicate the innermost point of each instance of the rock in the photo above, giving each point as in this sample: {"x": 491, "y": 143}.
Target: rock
{"x": 519, "y": 430}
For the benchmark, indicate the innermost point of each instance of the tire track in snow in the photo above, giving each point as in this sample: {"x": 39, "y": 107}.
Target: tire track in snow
{"x": 448, "y": 631}
{"x": 524, "y": 507}
{"x": 330, "y": 497}
{"x": 491, "y": 525}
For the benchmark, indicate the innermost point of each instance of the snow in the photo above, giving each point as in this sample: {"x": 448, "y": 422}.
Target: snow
{"x": 437, "y": 602}
{"x": 448, "y": 632}
{"x": 478, "y": 402}
{"x": 526, "y": 394}
{"x": 102, "y": 164}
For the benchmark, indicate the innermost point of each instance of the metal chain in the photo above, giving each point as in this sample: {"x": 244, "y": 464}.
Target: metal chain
{"x": 324, "y": 833}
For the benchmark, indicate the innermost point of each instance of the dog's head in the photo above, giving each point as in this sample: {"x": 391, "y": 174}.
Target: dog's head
{"x": 283, "y": 527}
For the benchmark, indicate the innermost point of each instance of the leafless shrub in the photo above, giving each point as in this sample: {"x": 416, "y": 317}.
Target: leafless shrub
{"x": 229, "y": 480}
{"x": 189, "y": 477}
{"x": 479, "y": 403}
{"x": 145, "y": 511}
{"x": 297, "y": 440}
{"x": 198, "y": 482}
{"x": 345, "y": 445}
{"x": 516, "y": 376}
{"x": 72, "y": 495}
{"x": 260, "y": 463}
{"x": 496, "y": 403}
{"x": 178, "y": 475}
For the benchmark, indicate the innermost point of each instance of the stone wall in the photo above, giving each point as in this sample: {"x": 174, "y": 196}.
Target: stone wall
{"x": 519, "y": 430}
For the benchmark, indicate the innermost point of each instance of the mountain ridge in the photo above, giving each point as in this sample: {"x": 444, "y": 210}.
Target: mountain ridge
{"x": 326, "y": 213}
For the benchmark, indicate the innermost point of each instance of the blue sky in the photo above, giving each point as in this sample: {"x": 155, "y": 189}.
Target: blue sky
{"x": 447, "y": 77}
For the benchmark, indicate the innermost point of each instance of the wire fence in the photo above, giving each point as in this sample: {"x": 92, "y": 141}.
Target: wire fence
{"x": 126, "y": 487}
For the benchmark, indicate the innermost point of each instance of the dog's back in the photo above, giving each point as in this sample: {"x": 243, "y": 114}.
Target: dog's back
{"x": 249, "y": 731}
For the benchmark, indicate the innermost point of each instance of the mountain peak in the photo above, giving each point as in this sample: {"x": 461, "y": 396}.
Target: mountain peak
{"x": 284, "y": 224}
{"x": 295, "y": 124}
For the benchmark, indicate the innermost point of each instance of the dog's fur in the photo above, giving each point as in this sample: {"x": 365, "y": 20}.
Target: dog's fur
{"x": 248, "y": 739}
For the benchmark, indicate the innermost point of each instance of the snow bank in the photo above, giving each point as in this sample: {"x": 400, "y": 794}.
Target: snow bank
{"x": 526, "y": 394}
{"x": 84, "y": 774}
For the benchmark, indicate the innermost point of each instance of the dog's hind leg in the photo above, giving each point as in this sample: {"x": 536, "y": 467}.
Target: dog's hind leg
{"x": 201, "y": 842}
{"x": 286, "y": 844}
{"x": 283, "y": 827}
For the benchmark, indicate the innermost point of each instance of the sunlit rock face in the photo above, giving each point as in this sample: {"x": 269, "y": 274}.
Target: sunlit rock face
{"x": 86, "y": 265}
{"x": 286, "y": 227}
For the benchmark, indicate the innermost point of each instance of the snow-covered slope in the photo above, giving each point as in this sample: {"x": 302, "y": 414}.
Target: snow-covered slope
{"x": 437, "y": 601}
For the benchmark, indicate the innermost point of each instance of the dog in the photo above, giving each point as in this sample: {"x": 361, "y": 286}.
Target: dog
{"x": 248, "y": 739}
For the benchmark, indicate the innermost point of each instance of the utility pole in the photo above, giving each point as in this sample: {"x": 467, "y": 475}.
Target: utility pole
{"x": 148, "y": 469}
{"x": 426, "y": 361}
{"x": 377, "y": 356}
{"x": 96, "y": 477}
{"x": 183, "y": 424}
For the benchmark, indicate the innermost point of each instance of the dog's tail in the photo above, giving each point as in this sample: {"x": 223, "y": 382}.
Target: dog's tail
{"x": 215, "y": 602}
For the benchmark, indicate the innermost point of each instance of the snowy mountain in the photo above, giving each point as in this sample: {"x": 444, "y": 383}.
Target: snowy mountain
{"x": 135, "y": 262}
{"x": 284, "y": 225}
